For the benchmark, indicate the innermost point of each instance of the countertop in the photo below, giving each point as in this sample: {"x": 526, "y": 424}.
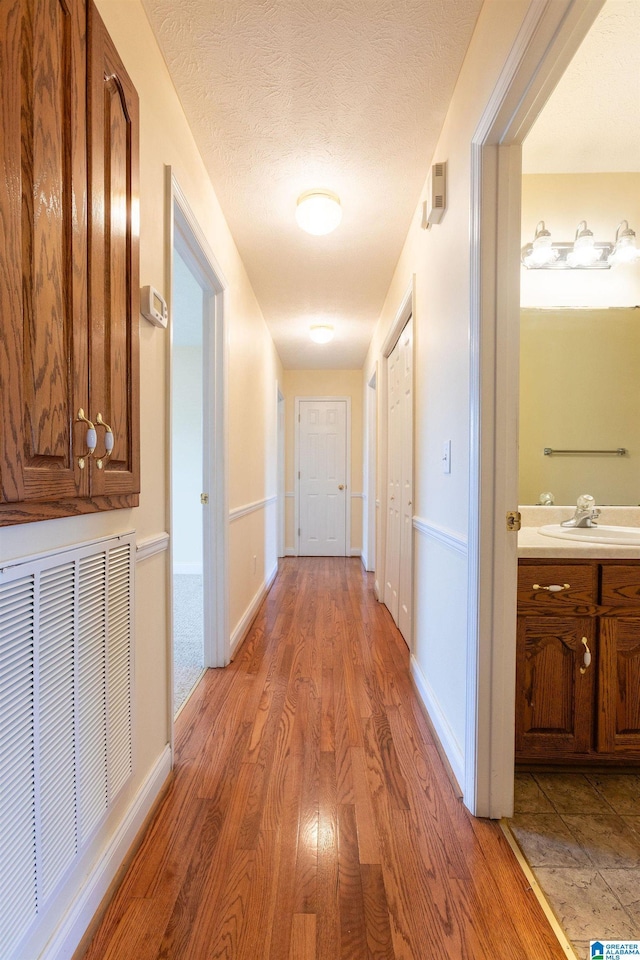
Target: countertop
{"x": 532, "y": 544}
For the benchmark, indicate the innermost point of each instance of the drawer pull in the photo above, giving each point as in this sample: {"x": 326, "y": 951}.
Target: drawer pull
{"x": 587, "y": 656}
{"x": 553, "y": 587}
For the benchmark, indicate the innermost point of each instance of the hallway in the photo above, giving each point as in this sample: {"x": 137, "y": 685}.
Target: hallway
{"x": 310, "y": 817}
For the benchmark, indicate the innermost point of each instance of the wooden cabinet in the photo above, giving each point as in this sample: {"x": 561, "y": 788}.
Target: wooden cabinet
{"x": 68, "y": 199}
{"x": 578, "y": 661}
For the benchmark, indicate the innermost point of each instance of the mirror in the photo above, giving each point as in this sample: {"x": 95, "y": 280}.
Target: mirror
{"x": 579, "y": 392}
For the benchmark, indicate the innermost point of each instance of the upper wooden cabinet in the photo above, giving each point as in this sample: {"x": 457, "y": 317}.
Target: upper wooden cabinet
{"x": 68, "y": 199}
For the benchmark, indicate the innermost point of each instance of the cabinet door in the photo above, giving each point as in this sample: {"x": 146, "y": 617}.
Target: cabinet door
{"x": 619, "y": 685}
{"x": 43, "y": 271}
{"x": 555, "y": 700}
{"x": 113, "y": 258}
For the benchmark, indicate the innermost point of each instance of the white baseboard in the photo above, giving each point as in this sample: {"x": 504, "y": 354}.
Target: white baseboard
{"x": 356, "y": 551}
{"x": 71, "y": 929}
{"x": 448, "y": 742}
{"x": 290, "y": 552}
{"x": 191, "y": 569}
{"x": 242, "y": 629}
{"x": 376, "y": 591}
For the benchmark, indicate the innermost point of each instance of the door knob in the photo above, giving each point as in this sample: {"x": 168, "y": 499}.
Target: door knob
{"x": 341, "y": 486}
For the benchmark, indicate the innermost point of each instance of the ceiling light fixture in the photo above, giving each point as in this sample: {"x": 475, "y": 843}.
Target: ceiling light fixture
{"x": 584, "y": 253}
{"x": 318, "y": 212}
{"x": 321, "y": 332}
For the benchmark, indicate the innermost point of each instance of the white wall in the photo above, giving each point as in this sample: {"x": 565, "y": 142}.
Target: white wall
{"x": 440, "y": 260}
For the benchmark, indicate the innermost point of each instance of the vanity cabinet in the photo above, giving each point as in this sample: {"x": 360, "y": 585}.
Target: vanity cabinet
{"x": 578, "y": 661}
{"x": 68, "y": 263}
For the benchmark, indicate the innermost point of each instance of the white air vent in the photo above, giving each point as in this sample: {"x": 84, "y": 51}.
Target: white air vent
{"x": 65, "y": 721}
{"x": 436, "y": 202}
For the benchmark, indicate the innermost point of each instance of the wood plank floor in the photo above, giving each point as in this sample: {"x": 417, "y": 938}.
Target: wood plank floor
{"x": 310, "y": 817}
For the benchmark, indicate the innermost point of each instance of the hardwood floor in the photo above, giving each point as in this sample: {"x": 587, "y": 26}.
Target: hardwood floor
{"x": 310, "y": 817}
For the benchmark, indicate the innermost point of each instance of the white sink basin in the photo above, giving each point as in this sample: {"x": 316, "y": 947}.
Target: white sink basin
{"x": 600, "y": 534}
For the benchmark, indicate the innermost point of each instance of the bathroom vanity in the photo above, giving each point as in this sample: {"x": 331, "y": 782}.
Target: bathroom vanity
{"x": 578, "y": 652}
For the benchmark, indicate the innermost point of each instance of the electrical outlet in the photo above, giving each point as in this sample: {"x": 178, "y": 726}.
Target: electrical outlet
{"x": 446, "y": 456}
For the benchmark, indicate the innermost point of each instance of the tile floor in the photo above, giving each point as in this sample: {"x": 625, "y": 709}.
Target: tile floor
{"x": 580, "y": 834}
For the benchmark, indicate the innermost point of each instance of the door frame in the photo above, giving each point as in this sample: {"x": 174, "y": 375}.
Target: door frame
{"x": 281, "y": 411}
{"x": 550, "y": 34}
{"x": 347, "y": 532}
{"x": 180, "y": 218}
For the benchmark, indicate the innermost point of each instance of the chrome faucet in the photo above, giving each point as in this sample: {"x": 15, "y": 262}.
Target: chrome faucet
{"x": 585, "y": 515}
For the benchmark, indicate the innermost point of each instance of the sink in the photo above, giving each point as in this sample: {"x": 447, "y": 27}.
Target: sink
{"x": 600, "y": 534}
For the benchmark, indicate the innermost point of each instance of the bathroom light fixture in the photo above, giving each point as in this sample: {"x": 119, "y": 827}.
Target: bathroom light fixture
{"x": 321, "y": 332}
{"x": 626, "y": 247}
{"x": 583, "y": 253}
{"x": 318, "y": 212}
{"x": 542, "y": 252}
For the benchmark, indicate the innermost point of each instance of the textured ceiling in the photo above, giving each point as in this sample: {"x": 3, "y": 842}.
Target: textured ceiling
{"x": 592, "y": 120}
{"x": 286, "y": 95}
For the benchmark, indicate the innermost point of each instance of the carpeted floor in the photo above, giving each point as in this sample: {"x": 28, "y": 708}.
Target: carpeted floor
{"x": 188, "y": 636}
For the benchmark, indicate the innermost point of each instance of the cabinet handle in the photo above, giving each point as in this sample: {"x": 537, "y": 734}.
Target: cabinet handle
{"x": 108, "y": 442}
{"x": 553, "y": 587}
{"x": 92, "y": 439}
{"x": 586, "y": 660}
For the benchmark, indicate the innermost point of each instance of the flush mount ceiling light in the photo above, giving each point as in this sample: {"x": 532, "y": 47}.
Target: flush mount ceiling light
{"x": 583, "y": 253}
{"x": 321, "y": 332}
{"x": 318, "y": 212}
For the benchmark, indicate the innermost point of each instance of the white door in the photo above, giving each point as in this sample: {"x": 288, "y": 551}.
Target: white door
{"x": 322, "y": 478}
{"x": 405, "y": 579}
{"x": 394, "y": 481}
{"x": 398, "y": 591}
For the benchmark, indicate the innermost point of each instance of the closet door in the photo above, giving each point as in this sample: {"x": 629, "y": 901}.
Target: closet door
{"x": 405, "y": 578}
{"x": 114, "y": 278}
{"x": 394, "y": 481}
{"x": 43, "y": 271}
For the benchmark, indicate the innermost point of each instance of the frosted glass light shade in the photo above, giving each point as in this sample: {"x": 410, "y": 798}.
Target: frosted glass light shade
{"x": 318, "y": 212}
{"x": 321, "y": 332}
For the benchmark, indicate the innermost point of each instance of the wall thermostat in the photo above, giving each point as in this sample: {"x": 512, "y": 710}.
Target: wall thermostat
{"x": 153, "y": 307}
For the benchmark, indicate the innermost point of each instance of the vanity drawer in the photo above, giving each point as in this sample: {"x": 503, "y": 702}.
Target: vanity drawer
{"x": 620, "y": 585}
{"x": 577, "y": 583}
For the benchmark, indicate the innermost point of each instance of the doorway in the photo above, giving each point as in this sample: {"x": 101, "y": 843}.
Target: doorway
{"x": 189, "y": 316}
{"x": 322, "y": 468}
{"x": 198, "y": 509}
{"x": 548, "y": 38}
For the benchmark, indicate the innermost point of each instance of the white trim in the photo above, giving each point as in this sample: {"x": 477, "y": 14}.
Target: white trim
{"x": 440, "y": 723}
{"x": 290, "y": 493}
{"x": 150, "y": 546}
{"x": 244, "y": 625}
{"x": 550, "y": 34}
{"x": 290, "y": 552}
{"x": 449, "y": 538}
{"x": 376, "y": 591}
{"x": 347, "y": 532}
{"x": 356, "y": 552}
{"x": 73, "y": 925}
{"x": 248, "y": 508}
{"x": 402, "y": 317}
{"x": 358, "y": 496}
